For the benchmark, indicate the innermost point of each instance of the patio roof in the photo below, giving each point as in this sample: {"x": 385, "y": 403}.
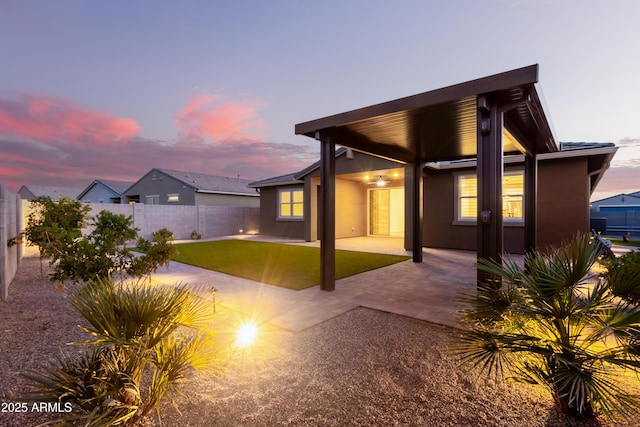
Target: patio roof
{"x": 442, "y": 124}
{"x": 487, "y": 119}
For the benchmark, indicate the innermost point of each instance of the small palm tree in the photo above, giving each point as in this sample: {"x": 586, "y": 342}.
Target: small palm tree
{"x": 146, "y": 339}
{"x": 555, "y": 324}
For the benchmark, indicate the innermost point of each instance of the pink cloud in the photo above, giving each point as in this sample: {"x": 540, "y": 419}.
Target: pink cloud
{"x": 208, "y": 116}
{"x": 618, "y": 180}
{"x": 51, "y": 141}
{"x": 42, "y": 118}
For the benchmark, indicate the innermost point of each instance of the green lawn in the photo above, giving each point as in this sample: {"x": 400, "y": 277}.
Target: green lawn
{"x": 623, "y": 243}
{"x": 288, "y": 266}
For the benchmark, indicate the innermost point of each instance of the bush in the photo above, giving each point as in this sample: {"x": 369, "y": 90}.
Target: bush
{"x": 52, "y": 226}
{"x": 557, "y": 325}
{"x": 623, "y": 276}
{"x": 146, "y": 339}
{"x": 156, "y": 253}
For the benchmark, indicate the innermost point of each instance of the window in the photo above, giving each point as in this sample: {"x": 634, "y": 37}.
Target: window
{"x": 290, "y": 204}
{"x": 152, "y": 200}
{"x": 512, "y": 197}
{"x": 173, "y": 197}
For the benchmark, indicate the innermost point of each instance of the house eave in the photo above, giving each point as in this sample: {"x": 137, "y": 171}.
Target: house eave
{"x": 227, "y": 193}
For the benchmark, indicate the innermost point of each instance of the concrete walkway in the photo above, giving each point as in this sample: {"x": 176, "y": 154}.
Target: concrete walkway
{"x": 424, "y": 291}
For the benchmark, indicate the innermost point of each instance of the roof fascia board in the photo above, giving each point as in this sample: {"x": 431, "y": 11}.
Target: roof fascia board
{"x": 86, "y": 190}
{"x": 577, "y": 153}
{"x": 231, "y": 193}
{"x": 501, "y": 81}
{"x": 277, "y": 184}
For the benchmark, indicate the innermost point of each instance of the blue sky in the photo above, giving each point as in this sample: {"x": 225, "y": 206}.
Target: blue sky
{"x": 111, "y": 89}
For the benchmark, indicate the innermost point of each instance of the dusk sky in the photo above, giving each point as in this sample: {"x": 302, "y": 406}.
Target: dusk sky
{"x": 111, "y": 89}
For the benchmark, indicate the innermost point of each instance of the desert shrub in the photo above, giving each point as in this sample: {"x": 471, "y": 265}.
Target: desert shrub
{"x": 56, "y": 228}
{"x": 157, "y": 252}
{"x": 145, "y": 341}
{"x": 558, "y": 325}
{"x": 100, "y": 253}
{"x": 53, "y": 225}
{"x": 623, "y": 276}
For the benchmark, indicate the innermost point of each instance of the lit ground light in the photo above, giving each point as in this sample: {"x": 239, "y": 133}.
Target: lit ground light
{"x": 246, "y": 335}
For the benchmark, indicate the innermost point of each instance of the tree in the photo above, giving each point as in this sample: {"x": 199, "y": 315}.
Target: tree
{"x": 100, "y": 253}
{"x": 54, "y": 225}
{"x": 146, "y": 339}
{"x": 557, "y": 325}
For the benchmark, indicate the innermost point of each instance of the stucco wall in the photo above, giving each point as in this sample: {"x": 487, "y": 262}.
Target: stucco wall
{"x": 227, "y": 200}
{"x": 11, "y": 218}
{"x": 563, "y": 208}
{"x": 351, "y": 209}
{"x": 269, "y": 222}
{"x": 563, "y": 200}
{"x": 155, "y": 183}
{"x": 439, "y": 212}
{"x": 100, "y": 192}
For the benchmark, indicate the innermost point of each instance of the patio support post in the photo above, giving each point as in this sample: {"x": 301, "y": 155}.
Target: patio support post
{"x": 530, "y": 201}
{"x": 417, "y": 212}
{"x": 328, "y": 214}
{"x": 489, "y": 173}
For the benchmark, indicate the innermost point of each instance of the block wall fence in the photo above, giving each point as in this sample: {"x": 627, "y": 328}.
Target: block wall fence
{"x": 11, "y": 223}
{"x": 208, "y": 221}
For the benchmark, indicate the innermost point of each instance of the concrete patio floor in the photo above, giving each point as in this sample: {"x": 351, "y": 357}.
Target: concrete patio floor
{"x": 426, "y": 291}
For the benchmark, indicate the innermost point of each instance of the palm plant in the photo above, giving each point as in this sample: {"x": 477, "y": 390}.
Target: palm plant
{"x": 555, "y": 324}
{"x": 145, "y": 340}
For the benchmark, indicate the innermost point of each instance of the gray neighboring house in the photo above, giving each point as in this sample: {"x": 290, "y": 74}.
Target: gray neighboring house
{"x": 172, "y": 187}
{"x": 31, "y": 192}
{"x": 617, "y": 214}
{"x": 105, "y": 191}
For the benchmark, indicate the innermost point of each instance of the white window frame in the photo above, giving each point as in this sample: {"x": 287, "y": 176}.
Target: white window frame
{"x": 176, "y": 195}
{"x": 291, "y": 217}
{"x": 154, "y": 196}
{"x": 468, "y": 221}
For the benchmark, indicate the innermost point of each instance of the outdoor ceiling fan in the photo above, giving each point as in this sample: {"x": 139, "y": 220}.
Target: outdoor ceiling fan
{"x": 380, "y": 182}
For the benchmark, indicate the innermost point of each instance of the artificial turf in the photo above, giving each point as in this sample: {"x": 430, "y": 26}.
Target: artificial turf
{"x": 289, "y": 266}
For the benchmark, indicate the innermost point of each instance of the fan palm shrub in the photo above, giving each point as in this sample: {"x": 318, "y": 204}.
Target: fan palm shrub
{"x": 556, "y": 324}
{"x": 145, "y": 341}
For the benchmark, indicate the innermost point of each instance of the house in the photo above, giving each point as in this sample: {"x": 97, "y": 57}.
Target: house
{"x": 478, "y": 168}
{"x": 371, "y": 198}
{"x": 619, "y": 214}
{"x": 31, "y": 192}
{"x": 104, "y": 191}
{"x": 171, "y": 187}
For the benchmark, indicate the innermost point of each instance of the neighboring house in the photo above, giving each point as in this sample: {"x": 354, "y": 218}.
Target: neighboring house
{"x": 104, "y": 191}
{"x": 371, "y": 198}
{"x": 31, "y": 192}
{"x": 171, "y": 187}
{"x": 618, "y": 214}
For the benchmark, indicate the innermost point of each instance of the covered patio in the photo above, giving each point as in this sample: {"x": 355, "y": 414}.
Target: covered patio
{"x": 487, "y": 119}
{"x": 426, "y": 291}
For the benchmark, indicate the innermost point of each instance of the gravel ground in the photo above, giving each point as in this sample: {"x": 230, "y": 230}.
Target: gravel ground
{"x": 364, "y": 367}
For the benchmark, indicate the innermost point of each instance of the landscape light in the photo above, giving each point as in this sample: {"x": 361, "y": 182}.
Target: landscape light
{"x": 246, "y": 335}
